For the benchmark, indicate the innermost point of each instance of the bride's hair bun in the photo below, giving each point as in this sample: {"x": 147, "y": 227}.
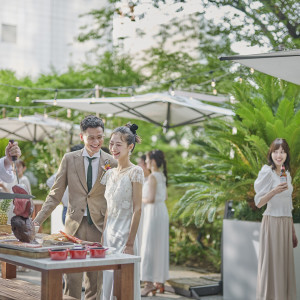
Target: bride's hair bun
{"x": 128, "y": 132}
{"x": 133, "y": 128}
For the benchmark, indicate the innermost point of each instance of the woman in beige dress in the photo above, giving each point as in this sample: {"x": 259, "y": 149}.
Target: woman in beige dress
{"x": 276, "y": 272}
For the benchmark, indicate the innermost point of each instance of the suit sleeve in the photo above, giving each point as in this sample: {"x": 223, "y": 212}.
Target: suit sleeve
{"x": 56, "y": 193}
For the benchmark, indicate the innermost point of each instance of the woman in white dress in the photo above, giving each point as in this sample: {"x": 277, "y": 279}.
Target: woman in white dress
{"x": 276, "y": 273}
{"x": 147, "y": 172}
{"x": 123, "y": 194}
{"x": 155, "y": 243}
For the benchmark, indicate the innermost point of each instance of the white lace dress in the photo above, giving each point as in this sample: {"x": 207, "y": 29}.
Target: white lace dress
{"x": 118, "y": 194}
{"x": 155, "y": 242}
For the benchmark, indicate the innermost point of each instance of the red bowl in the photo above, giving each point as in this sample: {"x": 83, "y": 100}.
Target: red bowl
{"x": 97, "y": 252}
{"x": 78, "y": 253}
{"x": 58, "y": 254}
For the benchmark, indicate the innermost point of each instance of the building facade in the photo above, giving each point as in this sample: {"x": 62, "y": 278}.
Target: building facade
{"x": 38, "y": 36}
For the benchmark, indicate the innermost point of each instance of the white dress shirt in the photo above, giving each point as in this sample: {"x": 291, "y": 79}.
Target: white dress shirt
{"x": 95, "y": 166}
{"x": 65, "y": 198}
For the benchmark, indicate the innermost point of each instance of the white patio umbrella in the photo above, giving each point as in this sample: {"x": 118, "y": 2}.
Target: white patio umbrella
{"x": 282, "y": 64}
{"x": 34, "y": 128}
{"x": 161, "y": 109}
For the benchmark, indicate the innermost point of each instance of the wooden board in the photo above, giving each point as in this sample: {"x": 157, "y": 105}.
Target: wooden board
{"x": 24, "y": 253}
{"x": 10, "y": 245}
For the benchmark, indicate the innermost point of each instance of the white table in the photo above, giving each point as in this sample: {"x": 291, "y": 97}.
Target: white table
{"x": 52, "y": 271}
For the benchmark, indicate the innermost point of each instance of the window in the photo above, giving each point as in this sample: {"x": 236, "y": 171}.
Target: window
{"x": 9, "y": 33}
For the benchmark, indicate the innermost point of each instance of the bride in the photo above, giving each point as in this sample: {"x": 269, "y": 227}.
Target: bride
{"x": 123, "y": 194}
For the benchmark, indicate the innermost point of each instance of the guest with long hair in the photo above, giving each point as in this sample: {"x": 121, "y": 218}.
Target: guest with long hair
{"x": 276, "y": 272}
{"x": 147, "y": 172}
{"x": 155, "y": 243}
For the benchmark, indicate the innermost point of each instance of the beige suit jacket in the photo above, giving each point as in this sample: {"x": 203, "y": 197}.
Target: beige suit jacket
{"x": 71, "y": 173}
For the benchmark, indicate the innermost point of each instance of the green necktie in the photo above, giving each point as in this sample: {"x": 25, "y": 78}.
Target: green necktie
{"x": 89, "y": 181}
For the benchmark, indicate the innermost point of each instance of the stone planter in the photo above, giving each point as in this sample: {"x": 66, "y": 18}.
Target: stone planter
{"x": 240, "y": 256}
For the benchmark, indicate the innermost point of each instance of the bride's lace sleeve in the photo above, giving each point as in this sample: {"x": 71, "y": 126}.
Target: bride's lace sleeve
{"x": 137, "y": 175}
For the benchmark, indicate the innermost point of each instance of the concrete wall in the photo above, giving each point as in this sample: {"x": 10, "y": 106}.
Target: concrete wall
{"x": 240, "y": 259}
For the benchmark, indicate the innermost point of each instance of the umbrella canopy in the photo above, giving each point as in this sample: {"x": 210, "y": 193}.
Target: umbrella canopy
{"x": 282, "y": 64}
{"x": 161, "y": 109}
{"x": 34, "y": 128}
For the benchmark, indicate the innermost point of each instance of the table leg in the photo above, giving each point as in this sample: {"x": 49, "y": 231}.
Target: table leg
{"x": 8, "y": 271}
{"x": 51, "y": 287}
{"x": 124, "y": 282}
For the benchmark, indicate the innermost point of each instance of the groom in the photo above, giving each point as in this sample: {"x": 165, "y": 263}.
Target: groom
{"x": 81, "y": 172}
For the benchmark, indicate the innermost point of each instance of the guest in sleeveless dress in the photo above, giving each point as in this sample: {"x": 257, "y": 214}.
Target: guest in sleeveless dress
{"x": 276, "y": 272}
{"x": 155, "y": 243}
{"x": 123, "y": 194}
{"x": 147, "y": 172}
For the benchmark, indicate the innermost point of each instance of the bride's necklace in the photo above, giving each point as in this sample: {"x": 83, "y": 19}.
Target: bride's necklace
{"x": 120, "y": 170}
{"x": 119, "y": 173}
{"x": 123, "y": 170}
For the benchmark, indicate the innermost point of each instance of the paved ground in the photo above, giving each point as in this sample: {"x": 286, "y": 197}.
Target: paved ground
{"x": 175, "y": 273}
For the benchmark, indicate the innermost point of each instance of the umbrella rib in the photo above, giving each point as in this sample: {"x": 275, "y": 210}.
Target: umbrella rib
{"x": 193, "y": 121}
{"x": 133, "y": 111}
{"x": 199, "y": 112}
{"x": 255, "y": 57}
{"x": 10, "y": 132}
{"x": 125, "y": 108}
{"x": 46, "y": 132}
{"x": 28, "y": 129}
{"x": 122, "y": 109}
{"x": 136, "y": 113}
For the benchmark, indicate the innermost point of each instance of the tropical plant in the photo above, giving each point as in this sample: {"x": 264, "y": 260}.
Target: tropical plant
{"x": 235, "y": 149}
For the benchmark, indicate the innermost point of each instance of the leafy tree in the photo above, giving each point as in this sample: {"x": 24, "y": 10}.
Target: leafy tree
{"x": 271, "y": 22}
{"x": 262, "y": 22}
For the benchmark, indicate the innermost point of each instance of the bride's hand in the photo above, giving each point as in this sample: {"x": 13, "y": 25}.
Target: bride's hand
{"x": 128, "y": 250}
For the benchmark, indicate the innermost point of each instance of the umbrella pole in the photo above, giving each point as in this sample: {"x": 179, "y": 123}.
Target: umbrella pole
{"x": 34, "y": 133}
{"x": 167, "y": 122}
{"x": 71, "y": 135}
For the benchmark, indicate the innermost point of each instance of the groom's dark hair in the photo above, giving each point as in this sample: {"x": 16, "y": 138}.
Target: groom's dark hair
{"x": 91, "y": 121}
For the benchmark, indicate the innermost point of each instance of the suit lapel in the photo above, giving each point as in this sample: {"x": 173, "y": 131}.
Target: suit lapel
{"x": 79, "y": 166}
